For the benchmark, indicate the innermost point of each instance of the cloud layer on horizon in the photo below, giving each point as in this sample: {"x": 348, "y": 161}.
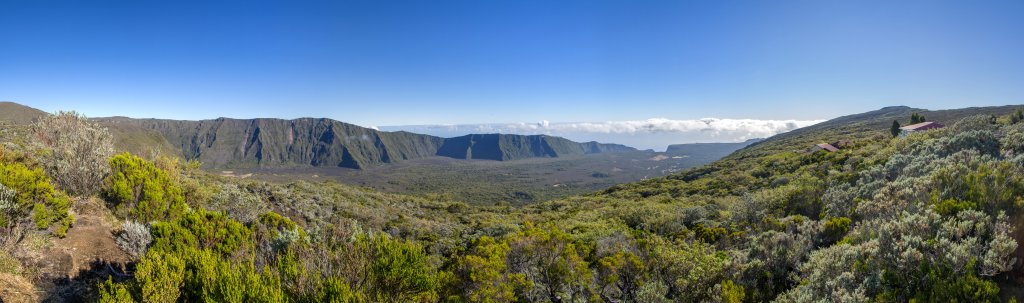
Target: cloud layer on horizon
{"x": 654, "y": 133}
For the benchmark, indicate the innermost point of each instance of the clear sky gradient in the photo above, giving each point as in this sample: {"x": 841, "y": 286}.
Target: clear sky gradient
{"x": 379, "y": 63}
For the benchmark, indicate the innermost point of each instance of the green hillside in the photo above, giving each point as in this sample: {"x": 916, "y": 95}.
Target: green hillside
{"x": 935, "y": 216}
{"x": 884, "y": 219}
{"x": 744, "y": 169}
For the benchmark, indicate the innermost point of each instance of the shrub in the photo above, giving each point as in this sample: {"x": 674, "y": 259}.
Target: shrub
{"x": 9, "y": 211}
{"x": 134, "y": 238}
{"x": 238, "y": 203}
{"x": 8, "y": 204}
{"x": 398, "y": 271}
{"x": 160, "y": 277}
{"x": 210, "y": 277}
{"x": 620, "y": 275}
{"x": 76, "y": 151}
{"x": 732, "y": 293}
{"x": 137, "y": 187}
{"x": 1017, "y": 116}
{"x": 653, "y": 292}
{"x": 1012, "y": 142}
{"x": 551, "y": 263}
{"x": 482, "y": 274}
{"x": 62, "y": 229}
{"x": 976, "y": 122}
{"x": 275, "y": 233}
{"x": 676, "y": 265}
{"x": 34, "y": 197}
{"x": 115, "y": 293}
{"x": 40, "y": 217}
{"x": 202, "y": 229}
{"x": 835, "y": 229}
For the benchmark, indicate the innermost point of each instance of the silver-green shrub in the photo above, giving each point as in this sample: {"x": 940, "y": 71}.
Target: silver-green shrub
{"x": 134, "y": 238}
{"x": 75, "y": 151}
{"x": 239, "y": 203}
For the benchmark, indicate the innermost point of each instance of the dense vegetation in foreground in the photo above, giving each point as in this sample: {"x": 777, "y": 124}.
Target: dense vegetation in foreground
{"x": 931, "y": 217}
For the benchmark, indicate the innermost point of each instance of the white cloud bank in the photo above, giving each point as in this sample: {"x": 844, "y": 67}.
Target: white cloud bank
{"x": 654, "y": 133}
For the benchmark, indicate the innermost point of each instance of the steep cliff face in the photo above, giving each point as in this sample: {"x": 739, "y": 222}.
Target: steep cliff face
{"x": 275, "y": 142}
{"x": 227, "y": 143}
{"x": 512, "y": 147}
{"x": 593, "y": 147}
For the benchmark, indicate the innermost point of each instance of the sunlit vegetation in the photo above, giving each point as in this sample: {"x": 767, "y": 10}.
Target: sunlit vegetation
{"x": 930, "y": 217}
{"x": 75, "y": 151}
{"x": 141, "y": 190}
{"x": 29, "y": 197}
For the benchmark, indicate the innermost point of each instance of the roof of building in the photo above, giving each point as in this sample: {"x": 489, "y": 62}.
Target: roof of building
{"x": 827, "y": 147}
{"x": 922, "y": 126}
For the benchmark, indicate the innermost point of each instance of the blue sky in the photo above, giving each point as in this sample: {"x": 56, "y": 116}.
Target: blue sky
{"x": 379, "y": 63}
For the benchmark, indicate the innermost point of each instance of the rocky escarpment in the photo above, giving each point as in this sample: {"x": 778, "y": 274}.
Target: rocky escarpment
{"x": 513, "y": 147}
{"x": 227, "y": 142}
{"x": 240, "y": 143}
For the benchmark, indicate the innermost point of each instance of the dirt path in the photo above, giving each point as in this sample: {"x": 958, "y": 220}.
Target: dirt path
{"x": 71, "y": 267}
{"x": 90, "y": 240}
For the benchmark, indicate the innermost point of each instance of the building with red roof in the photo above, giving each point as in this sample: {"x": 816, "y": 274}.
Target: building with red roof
{"x": 906, "y": 130}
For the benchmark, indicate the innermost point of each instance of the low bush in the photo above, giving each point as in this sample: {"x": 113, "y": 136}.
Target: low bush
{"x": 140, "y": 190}
{"x": 134, "y": 238}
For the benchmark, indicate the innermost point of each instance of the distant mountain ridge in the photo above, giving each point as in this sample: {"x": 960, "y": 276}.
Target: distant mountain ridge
{"x": 267, "y": 142}
{"x": 225, "y": 142}
{"x": 511, "y": 147}
{"x": 319, "y": 142}
{"x": 262, "y": 142}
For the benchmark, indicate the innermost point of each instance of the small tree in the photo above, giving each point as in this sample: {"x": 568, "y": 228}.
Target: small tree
{"x": 34, "y": 198}
{"x": 75, "y": 151}
{"x": 917, "y": 118}
{"x": 895, "y": 129}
